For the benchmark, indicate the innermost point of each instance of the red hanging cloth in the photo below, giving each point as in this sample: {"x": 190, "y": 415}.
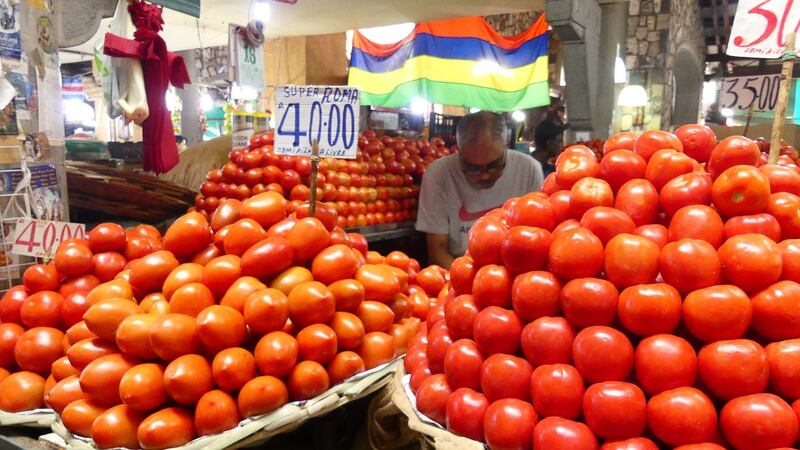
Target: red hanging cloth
{"x": 160, "y": 67}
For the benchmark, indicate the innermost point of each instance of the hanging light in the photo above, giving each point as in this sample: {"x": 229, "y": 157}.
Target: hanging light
{"x": 420, "y": 106}
{"x": 633, "y": 95}
{"x": 262, "y": 11}
{"x": 518, "y": 116}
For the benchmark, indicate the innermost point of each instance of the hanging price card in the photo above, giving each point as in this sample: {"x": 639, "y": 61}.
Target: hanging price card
{"x": 760, "y": 27}
{"x": 328, "y": 114}
{"x": 40, "y": 238}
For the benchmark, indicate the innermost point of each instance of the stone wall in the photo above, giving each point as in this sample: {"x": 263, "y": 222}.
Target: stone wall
{"x": 656, "y": 30}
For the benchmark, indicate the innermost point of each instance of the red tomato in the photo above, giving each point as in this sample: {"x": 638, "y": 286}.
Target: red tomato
{"x": 459, "y": 314}
{"x": 782, "y": 179}
{"x": 533, "y": 295}
{"x": 784, "y": 368}
{"x": 100, "y": 378}
{"x": 575, "y": 253}
{"x": 509, "y": 423}
{"x": 741, "y": 190}
{"x": 666, "y": 165}
{"x": 783, "y": 206}
{"x": 21, "y": 391}
{"x": 107, "y": 237}
{"x": 639, "y": 200}
{"x": 655, "y": 232}
{"x": 561, "y": 434}
{"x": 42, "y": 309}
{"x": 664, "y": 362}
{"x": 532, "y": 210}
{"x": 276, "y": 354}
{"x": 575, "y": 163}
{"x": 620, "y": 166}
{"x": 682, "y": 416}
{"x": 759, "y": 421}
{"x": 733, "y": 368}
{"x": 764, "y": 224}
{"x": 79, "y": 283}
{"x": 751, "y": 261}
{"x": 37, "y": 348}
{"x": 602, "y": 354}
{"x": 525, "y": 248}
{"x": 698, "y": 141}
{"x": 432, "y": 398}
{"x": 41, "y": 277}
{"x": 638, "y": 443}
{"x": 485, "y": 241}
{"x": 107, "y": 265}
{"x": 166, "y": 428}
{"x": 307, "y": 238}
{"x": 790, "y": 252}
{"x": 692, "y": 188}
{"x": 625, "y": 141}
{"x": 548, "y": 340}
{"x": 187, "y": 235}
{"x": 497, "y": 330}
{"x": 334, "y": 263}
{"x": 464, "y": 413}
{"x": 506, "y": 376}
{"x": 492, "y": 287}
{"x": 589, "y": 301}
{"x": 173, "y": 335}
{"x": 732, "y": 151}
{"x": 462, "y": 364}
{"x": 439, "y": 340}
{"x": 587, "y": 193}
{"x": 631, "y": 260}
{"x": 689, "y": 264}
{"x": 717, "y": 313}
{"x": 73, "y": 259}
{"x": 311, "y": 302}
{"x": 697, "y": 222}
{"x": 615, "y": 410}
{"x": 606, "y": 222}
{"x": 11, "y": 304}
{"x": 776, "y": 311}
{"x": 557, "y": 390}
{"x": 652, "y": 141}
{"x": 9, "y": 334}
{"x": 266, "y": 258}
{"x": 141, "y": 388}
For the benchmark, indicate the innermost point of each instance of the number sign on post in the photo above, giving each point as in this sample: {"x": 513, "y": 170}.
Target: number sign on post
{"x": 40, "y": 238}
{"x": 328, "y": 114}
{"x": 761, "y": 26}
{"x": 760, "y": 92}
{"x": 248, "y": 60}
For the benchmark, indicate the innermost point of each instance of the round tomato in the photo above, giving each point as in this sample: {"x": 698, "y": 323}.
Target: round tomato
{"x": 73, "y": 259}
{"x": 589, "y": 301}
{"x": 625, "y": 141}
{"x": 717, "y": 313}
{"x": 21, "y": 391}
{"x": 664, "y": 362}
{"x": 649, "y": 309}
{"x": 557, "y": 390}
{"x": 741, "y": 190}
{"x": 497, "y": 330}
{"x": 620, "y": 166}
{"x": 575, "y": 253}
{"x": 41, "y": 277}
{"x": 561, "y": 434}
{"x": 652, "y": 141}
{"x": 464, "y": 413}
{"x": 602, "y": 354}
{"x": 509, "y": 423}
{"x": 575, "y": 163}
{"x": 506, "y": 376}
{"x": 782, "y": 179}
{"x": 548, "y": 340}
{"x": 588, "y": 193}
{"x": 655, "y": 232}
{"x": 666, "y": 165}
{"x": 432, "y": 398}
{"x": 732, "y": 151}
{"x": 533, "y": 295}
{"x": 485, "y": 241}
{"x": 615, "y": 410}
{"x": 462, "y": 364}
{"x": 759, "y": 421}
{"x": 532, "y": 210}
{"x": 107, "y": 237}
{"x": 689, "y": 264}
{"x": 692, "y": 188}
{"x": 751, "y": 261}
{"x": 37, "y": 348}
{"x": 606, "y": 222}
{"x": 492, "y": 286}
{"x": 631, "y": 260}
{"x": 733, "y": 368}
{"x": 783, "y": 206}
{"x": 525, "y": 249}
{"x": 462, "y": 274}
{"x": 42, "y": 309}
{"x": 639, "y": 200}
{"x": 784, "y": 368}
{"x": 697, "y": 222}
{"x": 682, "y": 416}
{"x": 698, "y": 141}
{"x": 764, "y": 224}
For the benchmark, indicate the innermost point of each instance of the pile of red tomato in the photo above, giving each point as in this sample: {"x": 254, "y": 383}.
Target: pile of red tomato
{"x": 217, "y": 321}
{"x": 377, "y": 187}
{"x": 647, "y": 300}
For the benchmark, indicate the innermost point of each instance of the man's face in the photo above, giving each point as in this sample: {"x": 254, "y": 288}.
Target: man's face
{"x": 482, "y": 161}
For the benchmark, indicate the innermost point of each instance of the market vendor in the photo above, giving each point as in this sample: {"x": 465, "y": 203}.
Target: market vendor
{"x": 458, "y": 189}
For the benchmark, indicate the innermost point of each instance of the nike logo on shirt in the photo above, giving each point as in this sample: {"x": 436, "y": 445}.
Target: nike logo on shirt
{"x": 467, "y": 216}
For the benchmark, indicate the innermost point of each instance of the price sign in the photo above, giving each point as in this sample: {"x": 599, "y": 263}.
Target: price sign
{"x": 760, "y": 27}
{"x": 328, "y": 114}
{"x": 249, "y": 60}
{"x": 759, "y": 91}
{"x": 40, "y": 238}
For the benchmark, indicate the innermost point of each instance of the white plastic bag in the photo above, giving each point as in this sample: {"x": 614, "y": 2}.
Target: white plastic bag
{"x": 113, "y": 78}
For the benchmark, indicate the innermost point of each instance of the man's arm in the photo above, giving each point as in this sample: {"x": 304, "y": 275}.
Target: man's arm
{"x": 437, "y": 250}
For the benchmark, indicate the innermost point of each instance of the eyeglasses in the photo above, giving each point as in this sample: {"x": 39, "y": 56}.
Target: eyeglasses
{"x": 493, "y": 168}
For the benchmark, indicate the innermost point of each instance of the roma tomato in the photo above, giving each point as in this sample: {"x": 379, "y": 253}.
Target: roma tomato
{"x": 348, "y": 294}
{"x": 631, "y": 260}
{"x": 733, "y": 368}
{"x": 100, "y": 378}
{"x": 602, "y": 354}
{"x": 682, "y": 416}
{"x": 174, "y": 335}
{"x": 267, "y": 208}
{"x": 751, "y": 261}
{"x": 276, "y": 354}
{"x": 227, "y": 213}
{"x": 216, "y": 411}
{"x": 103, "y": 318}
{"x": 307, "y": 238}
{"x": 344, "y": 365}
{"x": 308, "y": 379}
{"x": 652, "y": 141}
{"x": 242, "y": 235}
{"x": 334, "y": 263}
{"x": 187, "y": 378}
{"x": 717, "y": 313}
{"x": 464, "y": 413}
{"x": 379, "y": 281}
{"x": 81, "y": 353}
{"x": 506, "y": 376}
{"x": 220, "y": 327}
{"x": 63, "y": 393}
{"x": 316, "y": 343}
{"x": 133, "y": 336}
{"x": 548, "y": 340}
{"x": 166, "y": 428}
{"x": 689, "y": 264}
{"x": 698, "y": 141}
{"x": 149, "y": 273}
{"x": 232, "y": 368}
{"x": 620, "y": 166}
{"x": 557, "y": 390}
{"x": 187, "y": 235}
{"x": 741, "y": 190}
{"x": 615, "y": 410}
{"x": 732, "y": 151}
{"x": 663, "y": 362}
{"x": 311, "y": 302}
{"x": 267, "y": 257}
{"x": 561, "y": 434}
{"x": 509, "y": 423}
{"x": 575, "y": 253}
{"x": 141, "y": 388}
{"x": 21, "y": 391}
{"x": 376, "y": 348}
{"x": 117, "y": 427}
{"x": 759, "y": 421}
{"x": 638, "y": 199}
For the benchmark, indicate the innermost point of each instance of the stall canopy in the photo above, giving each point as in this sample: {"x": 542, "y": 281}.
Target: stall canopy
{"x": 460, "y": 62}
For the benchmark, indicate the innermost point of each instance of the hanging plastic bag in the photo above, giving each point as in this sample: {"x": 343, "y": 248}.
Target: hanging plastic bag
{"x": 110, "y": 76}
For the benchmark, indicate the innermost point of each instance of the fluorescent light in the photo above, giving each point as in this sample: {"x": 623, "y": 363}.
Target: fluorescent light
{"x": 518, "y": 116}
{"x": 620, "y": 71}
{"x": 420, "y": 106}
{"x": 633, "y": 95}
{"x": 206, "y": 104}
{"x": 262, "y": 11}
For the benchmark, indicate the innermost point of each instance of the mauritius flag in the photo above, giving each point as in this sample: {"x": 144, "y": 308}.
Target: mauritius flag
{"x": 459, "y": 62}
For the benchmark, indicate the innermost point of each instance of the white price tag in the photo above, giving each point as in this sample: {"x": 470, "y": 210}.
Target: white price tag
{"x": 760, "y": 27}
{"x": 328, "y": 114}
{"x": 40, "y": 238}
{"x": 759, "y": 91}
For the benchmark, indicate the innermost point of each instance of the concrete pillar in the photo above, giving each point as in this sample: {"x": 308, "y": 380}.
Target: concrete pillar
{"x": 577, "y": 23}
{"x": 613, "y": 28}
{"x": 190, "y": 101}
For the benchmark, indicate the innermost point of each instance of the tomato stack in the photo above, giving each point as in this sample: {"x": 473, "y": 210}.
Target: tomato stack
{"x": 226, "y": 320}
{"x": 647, "y": 300}
{"x": 376, "y": 188}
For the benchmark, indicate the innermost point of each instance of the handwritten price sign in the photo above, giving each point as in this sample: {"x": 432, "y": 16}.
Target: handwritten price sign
{"x": 40, "y": 238}
{"x": 760, "y": 27}
{"x": 328, "y": 114}
{"x": 760, "y": 92}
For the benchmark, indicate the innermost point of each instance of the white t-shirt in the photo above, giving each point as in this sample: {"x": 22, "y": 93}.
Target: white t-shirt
{"x": 450, "y": 204}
